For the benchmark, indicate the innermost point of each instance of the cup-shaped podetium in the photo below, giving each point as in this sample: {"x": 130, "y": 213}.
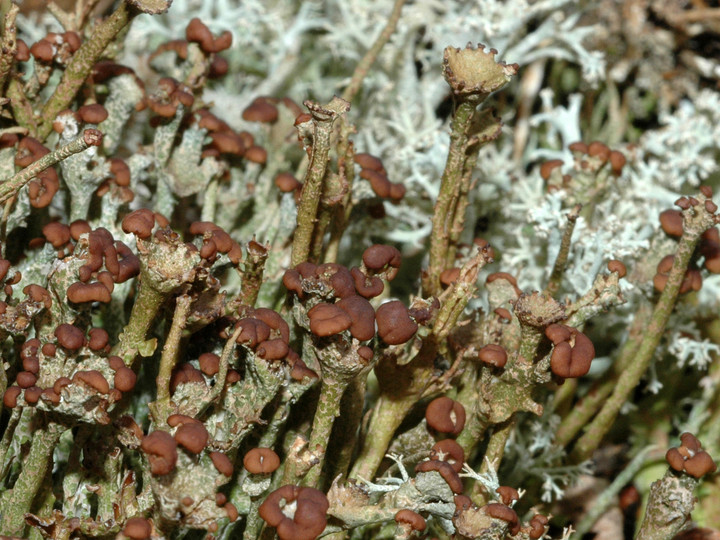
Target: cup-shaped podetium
{"x": 473, "y": 73}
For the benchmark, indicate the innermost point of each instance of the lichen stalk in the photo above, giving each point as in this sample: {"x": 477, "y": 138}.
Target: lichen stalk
{"x": 323, "y": 118}
{"x": 18, "y": 501}
{"x": 8, "y": 44}
{"x": 89, "y": 137}
{"x": 608, "y": 496}
{"x": 558, "y": 270}
{"x": 170, "y": 353}
{"x": 328, "y": 409}
{"x": 493, "y": 455}
{"x": 694, "y": 225}
{"x": 386, "y": 418}
{"x": 21, "y": 106}
{"x": 347, "y": 425}
{"x": 252, "y": 275}
{"x": 591, "y": 402}
{"x": 447, "y": 198}
{"x": 81, "y": 65}
{"x": 143, "y": 316}
{"x": 341, "y": 212}
{"x": 460, "y": 205}
{"x": 669, "y": 507}
{"x": 7, "y": 438}
{"x": 363, "y": 67}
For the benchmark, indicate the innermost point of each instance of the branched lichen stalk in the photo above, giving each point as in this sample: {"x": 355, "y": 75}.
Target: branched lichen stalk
{"x": 449, "y": 191}
{"x": 323, "y": 118}
{"x": 89, "y": 137}
{"x": 81, "y": 65}
{"x": 403, "y": 385}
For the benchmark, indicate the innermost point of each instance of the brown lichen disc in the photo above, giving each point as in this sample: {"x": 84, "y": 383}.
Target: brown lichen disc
{"x": 618, "y": 267}
{"x": 445, "y": 470}
{"x": 137, "y": 528}
{"x": 449, "y": 451}
{"x": 272, "y": 349}
{"x": 328, "y": 320}
{"x": 125, "y": 379}
{"x": 309, "y": 519}
{"x": 209, "y": 363}
{"x": 10, "y": 396}
{"x": 94, "y": 379}
{"x": 671, "y": 222}
{"x": 395, "y": 326}
{"x": 505, "y": 513}
{"x": 379, "y": 256}
{"x": 69, "y": 337}
{"x": 261, "y": 110}
{"x": 508, "y": 494}
{"x": 366, "y": 286}
{"x": 362, "y": 314}
{"x": 700, "y": 464}
{"x": 99, "y": 338}
{"x": 140, "y": 223}
{"x": 368, "y": 161}
{"x": 192, "y": 436}
{"x": 493, "y": 354}
{"x": 222, "y": 463}
{"x": 261, "y": 461}
{"x": 413, "y": 519}
{"x": 161, "y": 451}
{"x": 445, "y": 415}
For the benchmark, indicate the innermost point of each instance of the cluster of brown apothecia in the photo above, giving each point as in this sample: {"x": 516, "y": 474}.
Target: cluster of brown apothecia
{"x": 671, "y": 222}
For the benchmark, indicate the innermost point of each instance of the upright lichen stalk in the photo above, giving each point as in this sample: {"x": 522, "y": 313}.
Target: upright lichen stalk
{"x": 472, "y": 75}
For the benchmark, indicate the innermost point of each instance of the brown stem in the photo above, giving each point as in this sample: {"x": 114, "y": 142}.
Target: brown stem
{"x": 361, "y": 70}
{"x": 558, "y": 270}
